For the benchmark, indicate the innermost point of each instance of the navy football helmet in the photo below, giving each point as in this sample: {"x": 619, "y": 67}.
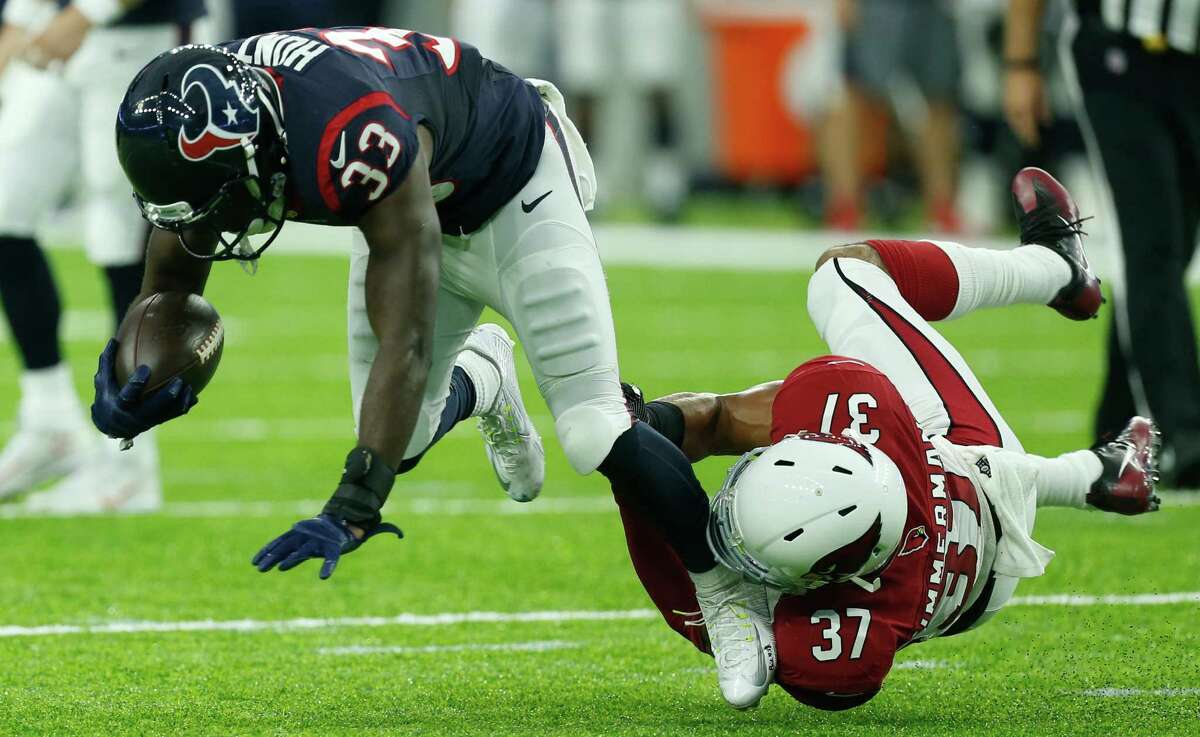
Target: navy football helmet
{"x": 200, "y": 136}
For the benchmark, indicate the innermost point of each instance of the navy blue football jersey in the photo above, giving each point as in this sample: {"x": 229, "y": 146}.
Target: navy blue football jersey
{"x": 353, "y": 98}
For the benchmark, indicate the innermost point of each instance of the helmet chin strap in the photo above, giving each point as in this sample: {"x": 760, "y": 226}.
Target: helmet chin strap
{"x": 271, "y": 221}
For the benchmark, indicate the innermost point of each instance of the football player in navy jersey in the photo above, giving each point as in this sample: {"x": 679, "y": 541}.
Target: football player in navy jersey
{"x": 467, "y": 187}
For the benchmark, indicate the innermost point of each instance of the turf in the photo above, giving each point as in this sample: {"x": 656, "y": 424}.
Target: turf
{"x": 274, "y": 426}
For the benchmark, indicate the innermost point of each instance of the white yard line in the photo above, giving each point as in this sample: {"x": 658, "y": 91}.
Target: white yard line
{"x": 924, "y": 664}
{"x": 443, "y": 506}
{"x": 1127, "y": 692}
{"x": 433, "y": 507}
{"x": 456, "y": 618}
{"x": 286, "y": 625}
{"x": 1182, "y": 597}
{"x": 536, "y": 646}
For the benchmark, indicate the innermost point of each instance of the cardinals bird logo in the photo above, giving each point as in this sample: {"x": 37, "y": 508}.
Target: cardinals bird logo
{"x": 914, "y": 541}
{"x": 226, "y": 117}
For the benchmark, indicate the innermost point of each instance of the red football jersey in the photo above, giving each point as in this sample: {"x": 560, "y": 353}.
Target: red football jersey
{"x": 836, "y": 644}
{"x": 840, "y": 640}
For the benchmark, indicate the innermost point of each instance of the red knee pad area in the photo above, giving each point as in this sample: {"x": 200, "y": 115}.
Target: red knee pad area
{"x": 924, "y": 274}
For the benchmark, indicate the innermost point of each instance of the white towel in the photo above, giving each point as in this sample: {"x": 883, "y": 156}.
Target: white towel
{"x": 1011, "y": 489}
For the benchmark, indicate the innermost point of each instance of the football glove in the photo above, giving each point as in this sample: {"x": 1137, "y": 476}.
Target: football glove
{"x": 120, "y": 411}
{"x": 323, "y": 536}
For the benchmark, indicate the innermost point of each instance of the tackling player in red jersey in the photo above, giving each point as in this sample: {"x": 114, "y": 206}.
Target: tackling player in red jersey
{"x": 882, "y": 500}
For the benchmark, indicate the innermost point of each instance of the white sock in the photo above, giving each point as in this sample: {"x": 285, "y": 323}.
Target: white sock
{"x": 987, "y": 278}
{"x": 1064, "y": 481}
{"x": 486, "y": 378}
{"x": 49, "y": 400}
{"x": 718, "y": 579}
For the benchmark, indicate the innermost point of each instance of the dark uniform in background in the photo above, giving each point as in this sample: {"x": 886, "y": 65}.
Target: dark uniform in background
{"x": 252, "y": 17}
{"x": 1139, "y": 73}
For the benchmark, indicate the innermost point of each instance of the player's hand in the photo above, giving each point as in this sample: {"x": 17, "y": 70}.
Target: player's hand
{"x": 1025, "y": 104}
{"x": 61, "y": 39}
{"x": 12, "y": 42}
{"x": 323, "y": 536}
{"x": 119, "y": 411}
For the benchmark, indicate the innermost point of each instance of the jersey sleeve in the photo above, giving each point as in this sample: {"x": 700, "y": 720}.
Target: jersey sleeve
{"x": 365, "y": 152}
{"x": 834, "y": 652}
{"x": 664, "y": 577}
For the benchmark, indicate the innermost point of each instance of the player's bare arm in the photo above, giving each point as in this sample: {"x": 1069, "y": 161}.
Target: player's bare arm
{"x": 170, "y": 268}
{"x": 732, "y": 424}
{"x": 404, "y": 237}
{"x": 723, "y": 424}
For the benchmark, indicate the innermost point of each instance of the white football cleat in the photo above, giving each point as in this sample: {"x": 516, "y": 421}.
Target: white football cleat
{"x": 738, "y": 619}
{"x": 512, "y": 442}
{"x": 34, "y": 456}
{"x": 112, "y": 481}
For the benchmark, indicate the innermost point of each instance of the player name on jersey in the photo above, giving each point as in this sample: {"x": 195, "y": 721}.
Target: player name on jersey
{"x": 280, "y": 50}
{"x": 937, "y": 491}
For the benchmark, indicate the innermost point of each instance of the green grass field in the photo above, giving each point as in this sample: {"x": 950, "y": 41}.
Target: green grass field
{"x": 265, "y": 445}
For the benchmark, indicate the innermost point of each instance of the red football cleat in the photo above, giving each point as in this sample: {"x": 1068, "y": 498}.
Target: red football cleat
{"x": 1049, "y": 217}
{"x": 1126, "y": 485}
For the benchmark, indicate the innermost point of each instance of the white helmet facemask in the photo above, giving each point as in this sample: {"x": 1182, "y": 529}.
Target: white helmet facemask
{"x": 811, "y": 510}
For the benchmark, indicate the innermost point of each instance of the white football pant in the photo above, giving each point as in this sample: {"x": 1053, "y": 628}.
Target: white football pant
{"x": 541, "y": 271}
{"x": 938, "y": 386}
{"x": 56, "y": 137}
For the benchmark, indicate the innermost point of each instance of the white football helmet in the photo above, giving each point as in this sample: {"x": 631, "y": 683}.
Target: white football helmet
{"x": 810, "y": 510}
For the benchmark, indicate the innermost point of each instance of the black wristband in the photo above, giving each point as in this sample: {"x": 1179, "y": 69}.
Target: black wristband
{"x": 364, "y": 488}
{"x": 667, "y": 418}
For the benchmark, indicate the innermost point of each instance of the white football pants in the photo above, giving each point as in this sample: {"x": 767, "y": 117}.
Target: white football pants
{"x": 56, "y": 137}
{"x": 859, "y": 313}
{"x": 541, "y": 271}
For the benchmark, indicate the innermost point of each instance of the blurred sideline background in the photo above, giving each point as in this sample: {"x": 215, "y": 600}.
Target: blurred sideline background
{"x": 709, "y": 118}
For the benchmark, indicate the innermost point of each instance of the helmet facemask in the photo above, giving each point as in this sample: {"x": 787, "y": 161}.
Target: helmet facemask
{"x": 252, "y": 198}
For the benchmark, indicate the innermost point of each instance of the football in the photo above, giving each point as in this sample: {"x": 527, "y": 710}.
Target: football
{"x": 175, "y": 334}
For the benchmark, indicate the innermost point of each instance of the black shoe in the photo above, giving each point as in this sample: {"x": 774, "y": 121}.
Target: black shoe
{"x": 1126, "y": 485}
{"x": 1049, "y": 217}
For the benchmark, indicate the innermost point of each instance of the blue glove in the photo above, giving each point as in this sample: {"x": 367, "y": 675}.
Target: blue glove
{"x": 119, "y": 412}
{"x": 320, "y": 537}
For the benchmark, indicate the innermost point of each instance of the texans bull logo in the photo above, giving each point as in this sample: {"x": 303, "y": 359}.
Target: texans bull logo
{"x": 226, "y": 119}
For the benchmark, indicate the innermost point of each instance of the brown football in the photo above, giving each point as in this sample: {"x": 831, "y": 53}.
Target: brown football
{"x": 173, "y": 333}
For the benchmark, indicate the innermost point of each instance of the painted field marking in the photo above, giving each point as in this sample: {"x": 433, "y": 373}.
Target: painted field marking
{"x": 423, "y": 506}
{"x": 1181, "y": 597}
{"x": 1127, "y": 692}
{"x": 432, "y": 507}
{"x": 924, "y": 665}
{"x": 456, "y": 618}
{"x": 536, "y": 646}
{"x": 288, "y": 625}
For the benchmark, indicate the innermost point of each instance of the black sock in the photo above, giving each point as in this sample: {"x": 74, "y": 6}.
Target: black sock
{"x": 30, "y": 300}
{"x": 646, "y": 470}
{"x": 460, "y": 403}
{"x": 124, "y": 284}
